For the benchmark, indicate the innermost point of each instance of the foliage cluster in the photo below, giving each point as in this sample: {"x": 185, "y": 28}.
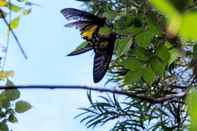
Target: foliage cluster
{"x": 10, "y": 103}
{"x": 154, "y": 57}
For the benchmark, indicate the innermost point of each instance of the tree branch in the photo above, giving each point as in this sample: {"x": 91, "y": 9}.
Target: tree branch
{"x": 105, "y": 90}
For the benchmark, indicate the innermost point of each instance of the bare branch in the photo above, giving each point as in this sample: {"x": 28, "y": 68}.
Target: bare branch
{"x": 101, "y": 90}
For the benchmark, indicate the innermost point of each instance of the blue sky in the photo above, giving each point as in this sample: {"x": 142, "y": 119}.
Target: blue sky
{"x": 47, "y": 41}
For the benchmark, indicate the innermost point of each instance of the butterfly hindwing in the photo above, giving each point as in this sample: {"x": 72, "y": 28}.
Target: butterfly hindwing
{"x": 102, "y": 60}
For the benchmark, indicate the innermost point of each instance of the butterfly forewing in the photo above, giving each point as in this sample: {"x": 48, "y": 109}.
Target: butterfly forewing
{"x": 75, "y": 14}
{"x": 87, "y": 48}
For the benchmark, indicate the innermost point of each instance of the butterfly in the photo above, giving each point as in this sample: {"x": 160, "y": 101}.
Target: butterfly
{"x": 87, "y": 23}
{"x": 103, "y": 49}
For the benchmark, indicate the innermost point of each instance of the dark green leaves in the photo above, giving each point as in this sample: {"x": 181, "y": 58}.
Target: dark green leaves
{"x": 12, "y": 118}
{"x": 163, "y": 54}
{"x": 149, "y": 75}
{"x": 123, "y": 46}
{"x": 3, "y": 127}
{"x": 151, "y": 60}
{"x": 132, "y": 77}
{"x": 157, "y": 66}
{"x": 12, "y": 94}
{"x": 22, "y": 106}
{"x": 10, "y": 105}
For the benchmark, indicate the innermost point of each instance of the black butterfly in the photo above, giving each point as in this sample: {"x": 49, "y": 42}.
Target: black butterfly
{"x": 103, "y": 48}
{"x": 88, "y": 23}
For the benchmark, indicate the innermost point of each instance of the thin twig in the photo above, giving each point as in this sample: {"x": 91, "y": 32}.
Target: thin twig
{"x": 118, "y": 92}
{"x": 14, "y": 35}
{"x": 8, "y": 37}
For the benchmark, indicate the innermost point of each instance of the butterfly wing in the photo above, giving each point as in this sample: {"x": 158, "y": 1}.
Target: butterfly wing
{"x": 88, "y": 32}
{"x": 87, "y": 48}
{"x": 75, "y": 14}
{"x": 102, "y": 60}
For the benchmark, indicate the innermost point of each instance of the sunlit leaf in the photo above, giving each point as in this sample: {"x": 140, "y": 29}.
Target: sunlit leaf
{"x": 173, "y": 17}
{"x": 3, "y": 3}
{"x": 165, "y": 8}
{"x": 22, "y": 106}
{"x": 6, "y": 74}
{"x": 15, "y": 22}
{"x": 188, "y": 28}
{"x": 174, "y": 54}
{"x": 14, "y": 8}
{"x": 191, "y": 100}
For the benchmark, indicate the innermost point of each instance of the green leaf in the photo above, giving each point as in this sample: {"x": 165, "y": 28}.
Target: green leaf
{"x": 22, "y": 106}
{"x": 12, "y": 118}
{"x": 104, "y": 30}
{"x": 144, "y": 39}
{"x": 140, "y": 54}
{"x": 4, "y": 102}
{"x": 6, "y": 74}
{"x": 132, "y": 77}
{"x": 12, "y": 94}
{"x": 14, "y": 8}
{"x": 2, "y": 113}
{"x": 123, "y": 21}
{"x": 3, "y": 127}
{"x": 132, "y": 64}
{"x": 109, "y": 13}
{"x": 149, "y": 75}
{"x": 173, "y": 16}
{"x": 123, "y": 46}
{"x": 165, "y": 8}
{"x": 188, "y": 29}
{"x": 174, "y": 54}
{"x": 195, "y": 50}
{"x": 191, "y": 100}
{"x": 163, "y": 54}
{"x": 157, "y": 66}
{"x": 15, "y": 22}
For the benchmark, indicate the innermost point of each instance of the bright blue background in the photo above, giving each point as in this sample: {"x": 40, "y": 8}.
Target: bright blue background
{"x": 47, "y": 41}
